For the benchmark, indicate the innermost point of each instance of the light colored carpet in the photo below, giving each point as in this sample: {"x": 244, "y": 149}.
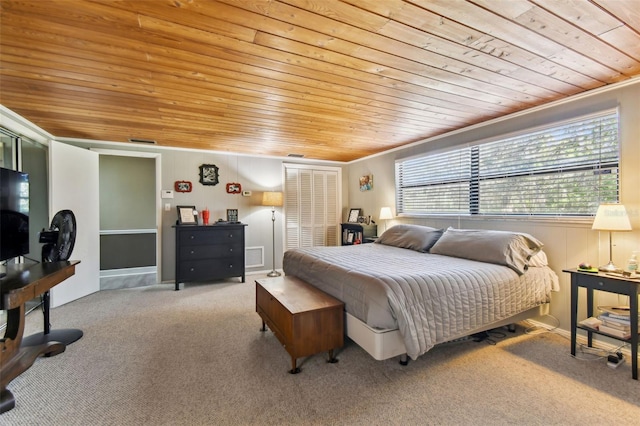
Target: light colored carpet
{"x": 196, "y": 357}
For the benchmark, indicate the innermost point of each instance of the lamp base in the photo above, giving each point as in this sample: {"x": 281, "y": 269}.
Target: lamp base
{"x": 610, "y": 267}
{"x": 274, "y": 273}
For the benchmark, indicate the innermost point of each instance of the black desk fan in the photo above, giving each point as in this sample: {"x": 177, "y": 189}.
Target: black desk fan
{"x": 59, "y": 241}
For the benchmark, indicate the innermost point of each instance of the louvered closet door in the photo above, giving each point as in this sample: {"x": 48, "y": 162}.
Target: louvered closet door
{"x": 311, "y": 207}
{"x": 331, "y": 212}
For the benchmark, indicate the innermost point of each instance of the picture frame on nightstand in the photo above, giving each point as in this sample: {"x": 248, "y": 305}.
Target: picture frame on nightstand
{"x": 354, "y": 214}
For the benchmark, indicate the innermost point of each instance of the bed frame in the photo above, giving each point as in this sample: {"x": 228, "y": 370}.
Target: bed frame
{"x": 387, "y": 343}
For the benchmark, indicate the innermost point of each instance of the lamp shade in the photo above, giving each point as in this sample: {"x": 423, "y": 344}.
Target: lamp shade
{"x": 272, "y": 199}
{"x": 385, "y": 213}
{"x": 611, "y": 217}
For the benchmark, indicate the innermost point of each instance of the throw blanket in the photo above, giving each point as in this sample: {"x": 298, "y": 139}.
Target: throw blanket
{"x": 428, "y": 297}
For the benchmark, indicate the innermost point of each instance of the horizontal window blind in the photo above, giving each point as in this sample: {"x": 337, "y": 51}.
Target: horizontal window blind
{"x": 566, "y": 169}
{"x": 437, "y": 184}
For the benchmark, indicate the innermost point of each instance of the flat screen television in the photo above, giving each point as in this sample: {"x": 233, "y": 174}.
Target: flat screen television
{"x": 14, "y": 214}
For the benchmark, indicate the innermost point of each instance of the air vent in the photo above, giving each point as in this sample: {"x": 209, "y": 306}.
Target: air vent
{"x": 295, "y": 155}
{"x": 147, "y": 141}
{"x": 254, "y": 256}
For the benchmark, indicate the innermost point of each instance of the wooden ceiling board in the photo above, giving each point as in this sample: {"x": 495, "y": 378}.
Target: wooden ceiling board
{"x": 389, "y": 50}
{"x": 507, "y": 58}
{"x": 330, "y": 79}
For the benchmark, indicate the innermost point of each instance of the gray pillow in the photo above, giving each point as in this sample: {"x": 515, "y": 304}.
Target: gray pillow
{"x": 414, "y": 237}
{"x": 512, "y": 249}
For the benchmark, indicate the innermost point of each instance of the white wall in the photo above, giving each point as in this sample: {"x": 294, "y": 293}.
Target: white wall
{"x": 567, "y": 243}
{"x": 254, "y": 174}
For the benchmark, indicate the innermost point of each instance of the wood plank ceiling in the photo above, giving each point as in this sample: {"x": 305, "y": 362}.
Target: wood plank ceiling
{"x": 327, "y": 79}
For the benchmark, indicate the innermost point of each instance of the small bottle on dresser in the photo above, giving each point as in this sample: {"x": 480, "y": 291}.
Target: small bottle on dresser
{"x": 632, "y": 263}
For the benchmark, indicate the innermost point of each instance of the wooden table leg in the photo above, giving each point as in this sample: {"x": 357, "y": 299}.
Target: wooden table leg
{"x": 14, "y": 359}
{"x": 7, "y": 401}
{"x": 294, "y": 368}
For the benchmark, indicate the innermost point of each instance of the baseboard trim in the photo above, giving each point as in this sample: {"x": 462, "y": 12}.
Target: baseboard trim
{"x": 114, "y": 279}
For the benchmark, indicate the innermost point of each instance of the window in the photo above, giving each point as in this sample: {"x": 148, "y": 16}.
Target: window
{"x": 567, "y": 169}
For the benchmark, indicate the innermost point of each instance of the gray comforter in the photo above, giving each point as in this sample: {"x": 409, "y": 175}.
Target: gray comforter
{"x": 428, "y": 297}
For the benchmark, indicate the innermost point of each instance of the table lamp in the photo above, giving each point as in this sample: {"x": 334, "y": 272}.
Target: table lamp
{"x": 385, "y": 214}
{"x": 611, "y": 217}
{"x": 273, "y": 199}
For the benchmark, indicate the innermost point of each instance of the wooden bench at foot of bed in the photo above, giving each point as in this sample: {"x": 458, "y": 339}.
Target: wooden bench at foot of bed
{"x": 305, "y": 319}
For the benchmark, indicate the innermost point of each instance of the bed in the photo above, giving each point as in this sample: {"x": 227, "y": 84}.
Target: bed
{"x": 416, "y": 286}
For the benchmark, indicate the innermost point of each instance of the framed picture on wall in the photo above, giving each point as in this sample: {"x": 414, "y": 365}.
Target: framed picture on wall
{"x": 209, "y": 174}
{"x": 187, "y": 215}
{"x": 366, "y": 183}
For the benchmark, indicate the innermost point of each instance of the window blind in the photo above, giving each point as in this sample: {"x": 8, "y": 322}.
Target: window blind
{"x": 565, "y": 169}
{"x": 438, "y": 183}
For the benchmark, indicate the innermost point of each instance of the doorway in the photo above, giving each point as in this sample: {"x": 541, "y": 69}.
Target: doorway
{"x": 129, "y": 248}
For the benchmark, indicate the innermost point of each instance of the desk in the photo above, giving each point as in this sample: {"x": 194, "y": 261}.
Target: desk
{"x": 603, "y": 282}
{"x": 23, "y": 283}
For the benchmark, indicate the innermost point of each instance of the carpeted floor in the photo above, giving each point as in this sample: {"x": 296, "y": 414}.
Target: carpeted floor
{"x": 196, "y": 357}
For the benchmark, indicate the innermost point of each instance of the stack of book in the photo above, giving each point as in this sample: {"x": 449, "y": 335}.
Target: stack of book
{"x": 615, "y": 321}
{"x": 350, "y": 236}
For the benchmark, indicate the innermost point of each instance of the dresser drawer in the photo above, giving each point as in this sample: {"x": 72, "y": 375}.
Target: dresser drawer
{"x": 212, "y": 236}
{"x": 195, "y": 252}
{"x": 211, "y": 269}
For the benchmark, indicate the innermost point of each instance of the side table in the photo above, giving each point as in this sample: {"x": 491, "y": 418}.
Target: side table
{"x": 611, "y": 284}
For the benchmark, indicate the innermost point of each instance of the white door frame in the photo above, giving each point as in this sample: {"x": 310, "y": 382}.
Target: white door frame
{"x": 158, "y": 167}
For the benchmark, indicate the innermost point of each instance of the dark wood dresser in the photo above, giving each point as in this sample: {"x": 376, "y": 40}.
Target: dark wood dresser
{"x": 209, "y": 252}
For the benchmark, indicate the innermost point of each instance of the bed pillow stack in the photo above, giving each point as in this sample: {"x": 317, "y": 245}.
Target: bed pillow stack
{"x": 512, "y": 249}
{"x": 414, "y": 237}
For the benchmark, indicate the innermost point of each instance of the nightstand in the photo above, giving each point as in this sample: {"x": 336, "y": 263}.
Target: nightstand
{"x": 611, "y": 284}
{"x": 358, "y": 233}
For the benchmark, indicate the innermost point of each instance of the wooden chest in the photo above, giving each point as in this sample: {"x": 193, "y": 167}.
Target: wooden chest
{"x": 305, "y": 320}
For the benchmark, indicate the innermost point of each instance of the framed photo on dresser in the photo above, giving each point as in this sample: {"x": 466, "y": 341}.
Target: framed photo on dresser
{"x": 187, "y": 215}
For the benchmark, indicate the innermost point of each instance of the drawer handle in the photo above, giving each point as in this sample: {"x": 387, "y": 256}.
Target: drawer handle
{"x": 231, "y": 266}
{"x": 230, "y": 235}
{"x": 191, "y": 252}
{"x": 191, "y": 237}
{"x": 192, "y": 269}
{"x": 230, "y": 249}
